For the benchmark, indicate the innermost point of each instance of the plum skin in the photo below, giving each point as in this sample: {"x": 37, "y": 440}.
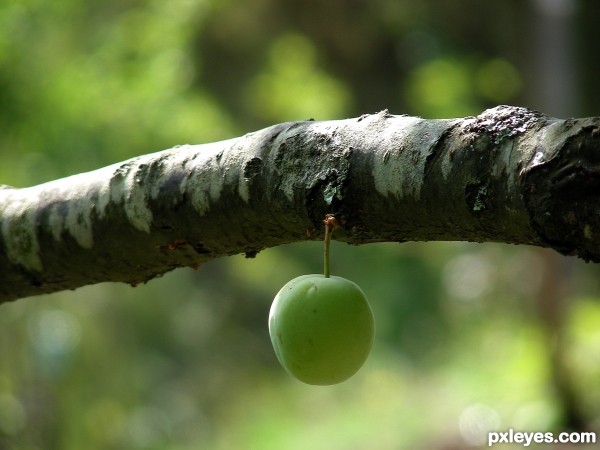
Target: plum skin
{"x": 321, "y": 328}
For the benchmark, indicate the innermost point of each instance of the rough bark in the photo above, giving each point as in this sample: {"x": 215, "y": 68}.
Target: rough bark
{"x": 508, "y": 175}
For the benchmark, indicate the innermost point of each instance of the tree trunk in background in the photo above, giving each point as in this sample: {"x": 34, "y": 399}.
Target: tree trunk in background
{"x": 555, "y": 70}
{"x": 508, "y": 175}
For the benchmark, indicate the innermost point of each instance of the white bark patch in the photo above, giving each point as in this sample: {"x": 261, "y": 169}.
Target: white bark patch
{"x": 208, "y": 170}
{"x": 446, "y": 165}
{"x": 19, "y": 230}
{"x": 77, "y": 222}
{"x": 326, "y": 136}
{"x": 205, "y": 182}
{"x": 247, "y": 154}
{"x": 399, "y": 161}
{"x": 20, "y": 226}
{"x": 74, "y": 193}
{"x": 104, "y": 190}
{"x": 391, "y": 174}
{"x": 56, "y": 222}
{"x": 135, "y": 202}
{"x": 126, "y": 186}
{"x": 287, "y": 185}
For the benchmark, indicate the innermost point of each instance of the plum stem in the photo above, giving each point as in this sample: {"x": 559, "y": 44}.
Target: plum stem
{"x": 330, "y": 225}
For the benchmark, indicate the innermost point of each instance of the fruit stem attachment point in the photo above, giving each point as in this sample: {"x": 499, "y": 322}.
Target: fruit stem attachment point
{"x": 331, "y": 224}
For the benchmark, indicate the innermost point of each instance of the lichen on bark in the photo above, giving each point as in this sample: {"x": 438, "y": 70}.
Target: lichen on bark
{"x": 508, "y": 175}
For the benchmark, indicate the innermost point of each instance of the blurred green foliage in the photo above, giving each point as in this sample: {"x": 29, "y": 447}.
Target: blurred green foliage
{"x": 185, "y": 361}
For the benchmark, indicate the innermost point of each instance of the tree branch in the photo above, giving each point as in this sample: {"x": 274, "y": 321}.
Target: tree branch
{"x": 509, "y": 175}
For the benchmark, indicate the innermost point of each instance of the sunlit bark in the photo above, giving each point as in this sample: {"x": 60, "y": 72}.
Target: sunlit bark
{"x": 508, "y": 175}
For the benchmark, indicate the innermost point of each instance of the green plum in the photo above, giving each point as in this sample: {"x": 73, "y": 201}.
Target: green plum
{"x": 322, "y": 328}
